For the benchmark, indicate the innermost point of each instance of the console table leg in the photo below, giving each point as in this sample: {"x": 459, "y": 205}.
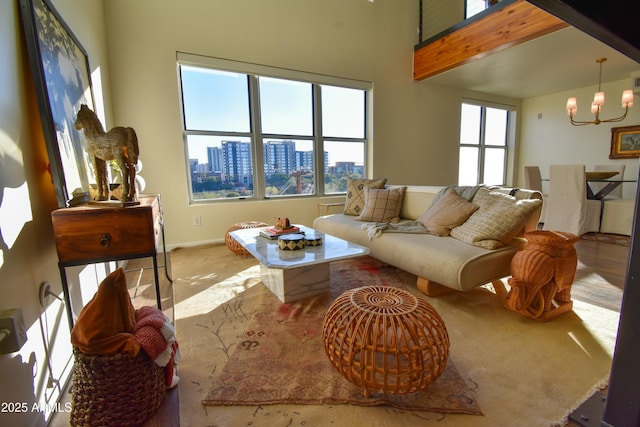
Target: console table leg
{"x": 156, "y": 281}
{"x": 164, "y": 254}
{"x": 67, "y": 296}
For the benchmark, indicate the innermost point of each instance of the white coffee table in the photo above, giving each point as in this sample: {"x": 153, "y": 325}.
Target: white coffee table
{"x": 294, "y": 275}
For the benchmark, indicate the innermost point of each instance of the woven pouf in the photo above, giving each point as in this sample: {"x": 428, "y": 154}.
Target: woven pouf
{"x": 118, "y": 390}
{"x": 232, "y": 243}
{"x": 385, "y": 340}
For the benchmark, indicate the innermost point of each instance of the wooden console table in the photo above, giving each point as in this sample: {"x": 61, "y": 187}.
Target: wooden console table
{"x": 89, "y": 234}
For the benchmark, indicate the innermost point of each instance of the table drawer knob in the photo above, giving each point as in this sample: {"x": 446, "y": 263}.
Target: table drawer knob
{"x": 105, "y": 240}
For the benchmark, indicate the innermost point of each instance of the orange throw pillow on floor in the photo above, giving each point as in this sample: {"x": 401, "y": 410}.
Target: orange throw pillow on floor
{"x": 105, "y": 325}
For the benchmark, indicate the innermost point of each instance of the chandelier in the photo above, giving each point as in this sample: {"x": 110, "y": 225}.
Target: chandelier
{"x": 598, "y": 102}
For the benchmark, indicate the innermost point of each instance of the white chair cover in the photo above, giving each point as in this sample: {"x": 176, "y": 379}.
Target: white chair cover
{"x": 568, "y": 208}
{"x": 597, "y": 186}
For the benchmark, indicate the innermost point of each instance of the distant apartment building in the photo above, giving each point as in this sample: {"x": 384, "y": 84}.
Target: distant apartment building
{"x": 232, "y": 162}
{"x": 279, "y": 157}
{"x": 215, "y": 159}
{"x": 237, "y": 165}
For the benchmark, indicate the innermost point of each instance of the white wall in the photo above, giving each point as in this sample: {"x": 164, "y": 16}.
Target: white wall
{"x": 27, "y": 250}
{"x": 415, "y": 124}
{"x": 552, "y": 139}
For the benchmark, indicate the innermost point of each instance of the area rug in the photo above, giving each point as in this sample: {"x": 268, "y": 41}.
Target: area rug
{"x": 281, "y": 358}
{"x": 521, "y": 372}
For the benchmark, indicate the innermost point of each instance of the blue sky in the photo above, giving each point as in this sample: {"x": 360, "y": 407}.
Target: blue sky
{"x": 218, "y": 101}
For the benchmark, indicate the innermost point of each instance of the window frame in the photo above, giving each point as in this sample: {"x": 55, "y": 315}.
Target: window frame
{"x": 259, "y": 139}
{"x": 482, "y": 146}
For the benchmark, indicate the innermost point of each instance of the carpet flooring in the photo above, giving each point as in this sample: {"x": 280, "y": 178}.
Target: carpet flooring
{"x": 521, "y": 372}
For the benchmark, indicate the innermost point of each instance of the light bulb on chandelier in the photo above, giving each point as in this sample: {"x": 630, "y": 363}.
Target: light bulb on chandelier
{"x": 598, "y": 102}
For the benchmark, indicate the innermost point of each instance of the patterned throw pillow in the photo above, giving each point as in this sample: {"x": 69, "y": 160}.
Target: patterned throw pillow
{"x": 354, "y": 203}
{"x": 448, "y": 212}
{"x": 497, "y": 221}
{"x": 382, "y": 205}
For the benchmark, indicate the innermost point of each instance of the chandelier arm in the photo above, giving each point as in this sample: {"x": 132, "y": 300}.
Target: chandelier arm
{"x": 578, "y": 123}
{"x": 618, "y": 119}
{"x": 597, "y": 121}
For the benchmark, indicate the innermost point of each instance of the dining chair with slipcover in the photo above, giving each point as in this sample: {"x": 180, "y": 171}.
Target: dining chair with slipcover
{"x": 568, "y": 208}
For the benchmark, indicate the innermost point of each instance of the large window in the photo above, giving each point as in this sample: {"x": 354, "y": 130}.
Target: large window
{"x": 258, "y": 132}
{"x": 484, "y": 135}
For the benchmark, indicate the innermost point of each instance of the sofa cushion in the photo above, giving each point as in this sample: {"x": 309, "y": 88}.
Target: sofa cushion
{"x": 448, "y": 212}
{"x": 354, "y": 202}
{"x": 382, "y": 205}
{"x": 497, "y": 221}
{"x": 467, "y": 192}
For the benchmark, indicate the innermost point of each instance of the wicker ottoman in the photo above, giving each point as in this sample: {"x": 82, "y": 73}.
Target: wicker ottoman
{"x": 385, "y": 340}
{"x": 232, "y": 244}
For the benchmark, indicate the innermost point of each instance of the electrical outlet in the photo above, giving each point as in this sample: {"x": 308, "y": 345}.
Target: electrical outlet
{"x": 12, "y": 321}
{"x": 197, "y": 221}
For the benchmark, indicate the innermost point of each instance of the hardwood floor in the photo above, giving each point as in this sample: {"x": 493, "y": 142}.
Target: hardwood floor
{"x": 600, "y": 279}
{"x": 598, "y": 261}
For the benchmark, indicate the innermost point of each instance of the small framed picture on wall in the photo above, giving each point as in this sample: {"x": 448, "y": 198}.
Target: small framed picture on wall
{"x": 625, "y": 142}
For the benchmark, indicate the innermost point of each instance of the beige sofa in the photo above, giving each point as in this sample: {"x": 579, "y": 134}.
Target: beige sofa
{"x": 437, "y": 261}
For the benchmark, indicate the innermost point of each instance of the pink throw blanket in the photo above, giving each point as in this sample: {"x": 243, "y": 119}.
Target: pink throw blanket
{"x": 156, "y": 335}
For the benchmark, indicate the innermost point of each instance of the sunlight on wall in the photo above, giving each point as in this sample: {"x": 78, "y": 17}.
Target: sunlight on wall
{"x": 53, "y": 330}
{"x": 44, "y": 362}
{"x": 98, "y": 98}
{"x": 90, "y": 277}
{"x": 15, "y": 204}
{"x": 15, "y": 212}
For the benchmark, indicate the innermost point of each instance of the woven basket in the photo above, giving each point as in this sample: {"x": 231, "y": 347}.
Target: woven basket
{"x": 119, "y": 390}
{"x": 232, "y": 243}
{"x": 385, "y": 340}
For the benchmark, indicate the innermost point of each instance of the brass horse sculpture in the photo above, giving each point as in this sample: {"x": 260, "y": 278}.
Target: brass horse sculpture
{"x": 119, "y": 144}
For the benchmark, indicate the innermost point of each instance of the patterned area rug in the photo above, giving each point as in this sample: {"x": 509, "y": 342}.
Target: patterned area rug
{"x": 519, "y": 371}
{"x": 281, "y": 358}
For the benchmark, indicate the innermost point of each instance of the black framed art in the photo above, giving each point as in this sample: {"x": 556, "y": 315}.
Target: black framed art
{"x": 62, "y": 79}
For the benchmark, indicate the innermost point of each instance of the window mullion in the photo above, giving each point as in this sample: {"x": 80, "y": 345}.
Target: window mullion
{"x": 318, "y": 144}
{"x": 257, "y": 139}
{"x": 482, "y": 145}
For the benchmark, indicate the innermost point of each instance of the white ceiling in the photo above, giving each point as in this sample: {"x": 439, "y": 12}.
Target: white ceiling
{"x": 562, "y": 60}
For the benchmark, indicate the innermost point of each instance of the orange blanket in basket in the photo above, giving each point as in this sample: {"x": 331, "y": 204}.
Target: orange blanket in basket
{"x": 105, "y": 325}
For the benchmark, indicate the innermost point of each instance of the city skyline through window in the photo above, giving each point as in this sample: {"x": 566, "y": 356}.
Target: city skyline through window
{"x": 249, "y": 135}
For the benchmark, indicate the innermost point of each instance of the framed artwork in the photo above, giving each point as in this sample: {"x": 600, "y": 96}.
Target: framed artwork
{"x": 625, "y": 142}
{"x": 60, "y": 69}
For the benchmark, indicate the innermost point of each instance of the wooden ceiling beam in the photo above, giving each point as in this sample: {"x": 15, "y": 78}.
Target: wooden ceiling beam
{"x": 513, "y": 24}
